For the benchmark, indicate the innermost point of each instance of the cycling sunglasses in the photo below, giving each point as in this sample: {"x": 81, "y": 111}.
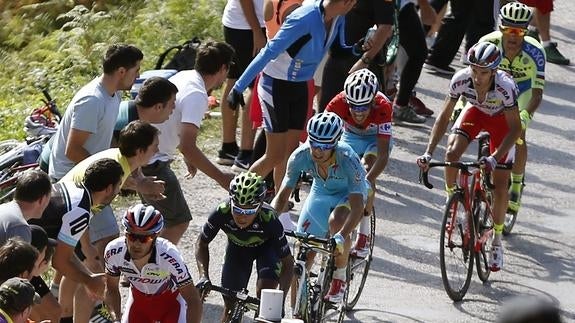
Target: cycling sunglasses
{"x": 359, "y": 108}
{"x": 140, "y": 237}
{"x": 320, "y": 146}
{"x": 244, "y": 211}
{"x": 513, "y": 31}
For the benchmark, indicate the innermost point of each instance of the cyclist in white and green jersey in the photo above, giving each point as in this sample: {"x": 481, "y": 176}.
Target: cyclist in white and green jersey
{"x": 524, "y": 59}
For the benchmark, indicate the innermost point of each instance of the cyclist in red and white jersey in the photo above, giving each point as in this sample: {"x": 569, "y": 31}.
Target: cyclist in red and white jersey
{"x": 161, "y": 287}
{"x": 493, "y": 96}
{"x": 367, "y": 115}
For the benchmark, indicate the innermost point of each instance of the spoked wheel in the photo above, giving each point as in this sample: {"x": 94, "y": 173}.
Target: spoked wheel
{"x": 456, "y": 248}
{"x": 511, "y": 216}
{"x": 483, "y": 223}
{"x": 358, "y": 268}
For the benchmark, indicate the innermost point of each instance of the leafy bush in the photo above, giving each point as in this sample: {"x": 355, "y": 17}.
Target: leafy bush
{"x": 59, "y": 44}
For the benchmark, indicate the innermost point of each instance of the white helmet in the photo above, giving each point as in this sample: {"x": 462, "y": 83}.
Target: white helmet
{"x": 360, "y": 87}
{"x": 484, "y": 54}
{"x": 515, "y": 14}
{"x": 325, "y": 128}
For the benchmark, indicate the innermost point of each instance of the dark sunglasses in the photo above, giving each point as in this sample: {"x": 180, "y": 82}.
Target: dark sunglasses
{"x": 320, "y": 146}
{"x": 244, "y": 211}
{"x": 513, "y": 31}
{"x": 140, "y": 237}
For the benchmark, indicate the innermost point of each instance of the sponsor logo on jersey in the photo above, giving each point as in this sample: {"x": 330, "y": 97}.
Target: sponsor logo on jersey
{"x": 171, "y": 260}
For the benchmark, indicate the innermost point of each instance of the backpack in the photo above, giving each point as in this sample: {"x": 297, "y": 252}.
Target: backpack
{"x": 183, "y": 59}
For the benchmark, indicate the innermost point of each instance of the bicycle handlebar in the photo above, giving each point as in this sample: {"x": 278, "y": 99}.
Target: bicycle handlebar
{"x": 207, "y": 286}
{"x": 463, "y": 166}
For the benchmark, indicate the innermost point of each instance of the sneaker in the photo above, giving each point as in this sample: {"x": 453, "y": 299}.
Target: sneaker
{"x": 496, "y": 258}
{"x": 554, "y": 56}
{"x": 226, "y": 157}
{"x": 419, "y": 107}
{"x": 406, "y": 114}
{"x": 100, "y": 315}
{"x": 241, "y": 165}
{"x": 336, "y": 291}
{"x": 445, "y": 70}
{"x": 361, "y": 247}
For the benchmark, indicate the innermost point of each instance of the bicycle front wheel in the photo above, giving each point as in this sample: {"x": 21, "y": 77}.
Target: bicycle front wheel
{"x": 456, "y": 248}
{"x": 358, "y": 269}
{"x": 483, "y": 223}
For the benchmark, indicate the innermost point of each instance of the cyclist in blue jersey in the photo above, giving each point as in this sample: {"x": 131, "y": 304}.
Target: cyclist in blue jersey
{"x": 338, "y": 194}
{"x": 288, "y": 61}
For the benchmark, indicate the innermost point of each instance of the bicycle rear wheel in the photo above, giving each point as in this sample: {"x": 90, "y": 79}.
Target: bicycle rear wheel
{"x": 482, "y": 223}
{"x": 358, "y": 269}
{"x": 456, "y": 249}
{"x": 511, "y": 217}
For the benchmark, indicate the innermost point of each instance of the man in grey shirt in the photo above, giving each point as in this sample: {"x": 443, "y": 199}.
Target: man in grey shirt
{"x": 89, "y": 120}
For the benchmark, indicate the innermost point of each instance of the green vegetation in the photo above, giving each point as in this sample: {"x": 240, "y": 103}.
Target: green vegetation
{"x": 58, "y": 44}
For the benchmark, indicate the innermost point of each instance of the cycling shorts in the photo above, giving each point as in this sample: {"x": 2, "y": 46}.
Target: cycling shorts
{"x": 168, "y": 307}
{"x": 314, "y": 216}
{"x": 472, "y": 121}
{"x": 242, "y": 40}
{"x": 363, "y": 145}
{"x": 239, "y": 261}
{"x": 544, "y": 6}
{"x": 174, "y": 207}
{"x": 284, "y": 104}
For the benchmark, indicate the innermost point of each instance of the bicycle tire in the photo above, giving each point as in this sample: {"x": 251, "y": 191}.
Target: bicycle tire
{"x": 237, "y": 314}
{"x": 482, "y": 222}
{"x": 359, "y": 266}
{"x": 452, "y": 227}
{"x": 511, "y": 216}
{"x": 304, "y": 303}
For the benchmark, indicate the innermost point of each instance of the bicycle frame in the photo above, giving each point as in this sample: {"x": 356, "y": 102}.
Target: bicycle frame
{"x": 243, "y": 302}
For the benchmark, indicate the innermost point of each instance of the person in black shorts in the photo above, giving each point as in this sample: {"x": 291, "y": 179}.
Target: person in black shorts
{"x": 254, "y": 233}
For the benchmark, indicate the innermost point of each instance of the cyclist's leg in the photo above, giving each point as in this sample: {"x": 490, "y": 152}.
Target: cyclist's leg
{"x": 518, "y": 172}
{"x": 464, "y": 130}
{"x": 268, "y": 266}
{"x": 236, "y": 272}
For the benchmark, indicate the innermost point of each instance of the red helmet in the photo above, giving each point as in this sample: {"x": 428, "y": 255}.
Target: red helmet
{"x": 143, "y": 219}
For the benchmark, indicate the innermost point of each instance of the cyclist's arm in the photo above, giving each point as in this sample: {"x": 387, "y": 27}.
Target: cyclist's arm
{"x": 280, "y": 201}
{"x": 535, "y": 101}
{"x": 286, "y": 274}
{"x": 282, "y": 249}
{"x": 441, "y": 124}
{"x": 194, "y": 303}
{"x": 203, "y": 257}
{"x": 194, "y": 156}
{"x": 514, "y": 125}
{"x": 382, "y": 158}
{"x": 356, "y": 204}
{"x": 208, "y": 233}
{"x": 75, "y": 150}
{"x": 113, "y": 298}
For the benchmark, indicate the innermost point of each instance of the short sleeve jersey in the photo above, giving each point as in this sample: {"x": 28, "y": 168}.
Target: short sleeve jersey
{"x": 345, "y": 175}
{"x": 502, "y": 94}
{"x": 377, "y": 123}
{"x": 68, "y": 213}
{"x": 191, "y": 104}
{"x": 165, "y": 270}
{"x": 12, "y": 223}
{"x": 92, "y": 110}
{"x": 527, "y": 68}
{"x": 266, "y": 227}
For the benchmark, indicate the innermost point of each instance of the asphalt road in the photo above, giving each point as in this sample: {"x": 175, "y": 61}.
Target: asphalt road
{"x": 405, "y": 281}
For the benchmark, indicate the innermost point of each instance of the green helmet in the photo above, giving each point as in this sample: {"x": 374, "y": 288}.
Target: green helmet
{"x": 247, "y": 189}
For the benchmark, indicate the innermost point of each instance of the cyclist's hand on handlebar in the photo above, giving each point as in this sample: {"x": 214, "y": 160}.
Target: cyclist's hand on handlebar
{"x": 339, "y": 242}
{"x": 203, "y": 287}
{"x": 423, "y": 161}
{"x": 525, "y": 117}
{"x": 489, "y": 163}
{"x": 235, "y": 98}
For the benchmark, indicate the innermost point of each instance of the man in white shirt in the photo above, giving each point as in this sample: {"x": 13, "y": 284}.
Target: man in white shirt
{"x": 180, "y": 132}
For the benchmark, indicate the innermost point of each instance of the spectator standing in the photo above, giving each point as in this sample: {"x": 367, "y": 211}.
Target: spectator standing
{"x": 245, "y": 32}
{"x": 180, "y": 132}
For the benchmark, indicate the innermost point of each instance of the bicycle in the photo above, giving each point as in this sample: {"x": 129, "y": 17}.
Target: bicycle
{"x": 511, "y": 215}
{"x": 242, "y": 301}
{"x": 312, "y": 286}
{"x": 358, "y": 268}
{"x": 467, "y": 226}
